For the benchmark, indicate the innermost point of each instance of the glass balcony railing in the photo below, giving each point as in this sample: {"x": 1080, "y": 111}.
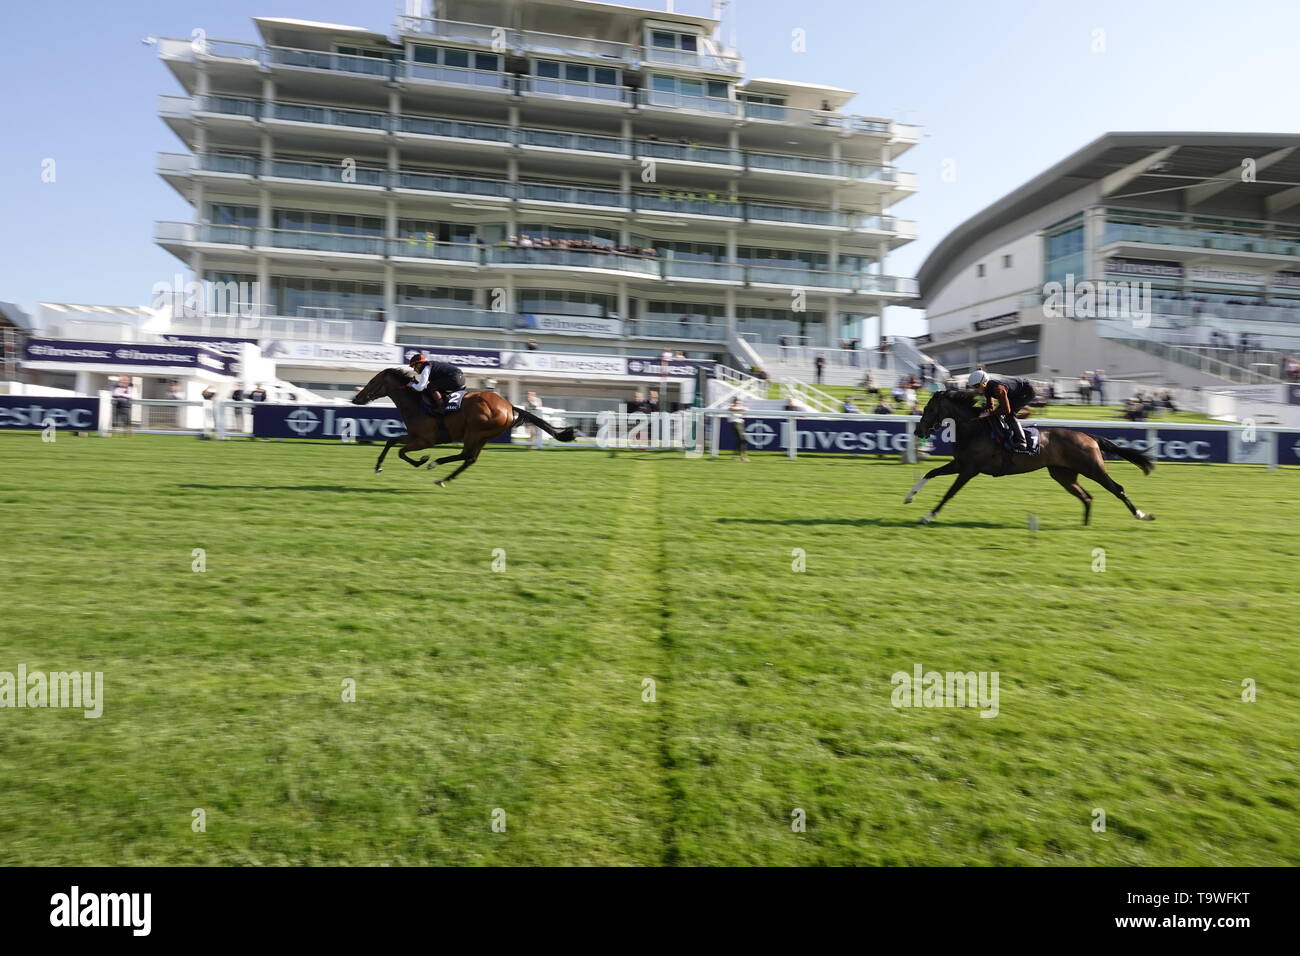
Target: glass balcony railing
{"x": 322, "y": 241}
{"x": 326, "y": 116}
{"x": 797, "y": 214}
{"x": 223, "y": 163}
{"x": 454, "y": 129}
{"x": 574, "y": 195}
{"x": 326, "y": 173}
{"x": 708, "y": 62}
{"x": 572, "y": 89}
{"x": 228, "y": 105}
{"x": 676, "y": 329}
{"x": 710, "y": 271}
{"x": 575, "y": 258}
{"x": 689, "y": 154}
{"x": 682, "y": 101}
{"x": 460, "y": 76}
{"x": 576, "y": 141}
{"x": 1199, "y": 239}
{"x": 334, "y": 62}
{"x": 526, "y": 136}
{"x": 416, "y": 246}
{"x": 699, "y": 206}
{"x": 424, "y": 246}
{"x": 444, "y": 315}
{"x": 460, "y": 185}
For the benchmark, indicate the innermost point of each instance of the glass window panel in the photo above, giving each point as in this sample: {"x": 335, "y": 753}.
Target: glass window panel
{"x": 455, "y": 58}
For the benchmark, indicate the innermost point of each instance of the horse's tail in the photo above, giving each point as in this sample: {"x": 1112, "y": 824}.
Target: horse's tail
{"x": 527, "y": 417}
{"x": 1141, "y": 459}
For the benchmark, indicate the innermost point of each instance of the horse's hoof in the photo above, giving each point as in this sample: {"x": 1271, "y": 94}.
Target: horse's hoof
{"x": 907, "y": 500}
{"x": 926, "y": 519}
{"x": 441, "y": 484}
{"x": 1143, "y": 516}
{"x": 378, "y": 470}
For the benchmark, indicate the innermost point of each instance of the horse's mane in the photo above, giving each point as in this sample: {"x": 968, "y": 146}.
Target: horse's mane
{"x": 405, "y": 371}
{"x": 961, "y": 397}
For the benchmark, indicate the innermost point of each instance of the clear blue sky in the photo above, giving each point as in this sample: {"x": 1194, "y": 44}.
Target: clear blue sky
{"x": 1004, "y": 88}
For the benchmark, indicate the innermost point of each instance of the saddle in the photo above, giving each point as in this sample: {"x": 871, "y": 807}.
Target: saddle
{"x": 450, "y": 402}
{"x": 1003, "y": 437}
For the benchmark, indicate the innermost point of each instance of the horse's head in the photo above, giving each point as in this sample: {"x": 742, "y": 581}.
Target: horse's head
{"x": 384, "y": 384}
{"x": 959, "y": 406}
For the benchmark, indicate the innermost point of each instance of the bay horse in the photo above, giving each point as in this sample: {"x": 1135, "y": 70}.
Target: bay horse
{"x": 482, "y": 416}
{"x": 1065, "y": 454}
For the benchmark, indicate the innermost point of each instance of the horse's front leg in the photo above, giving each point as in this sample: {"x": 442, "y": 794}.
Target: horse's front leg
{"x": 413, "y": 446}
{"x": 951, "y": 468}
{"x": 379, "y": 465}
{"x": 957, "y": 485}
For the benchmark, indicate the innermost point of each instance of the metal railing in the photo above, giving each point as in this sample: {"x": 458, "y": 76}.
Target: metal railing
{"x": 180, "y": 106}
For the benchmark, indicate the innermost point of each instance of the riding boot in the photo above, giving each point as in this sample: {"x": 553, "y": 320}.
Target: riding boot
{"x": 1018, "y": 439}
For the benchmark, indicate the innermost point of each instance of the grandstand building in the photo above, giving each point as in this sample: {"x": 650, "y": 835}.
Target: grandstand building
{"x": 550, "y": 176}
{"x": 1206, "y": 226}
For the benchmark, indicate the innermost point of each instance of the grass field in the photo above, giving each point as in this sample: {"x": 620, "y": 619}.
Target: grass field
{"x": 522, "y": 690}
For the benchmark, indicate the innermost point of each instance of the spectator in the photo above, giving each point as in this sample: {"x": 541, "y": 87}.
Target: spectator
{"x": 848, "y": 407}
{"x": 820, "y": 364}
{"x": 1085, "y": 388}
{"x": 121, "y": 400}
{"x": 1099, "y": 385}
{"x": 783, "y": 345}
{"x": 531, "y": 345}
{"x": 736, "y": 415}
{"x": 883, "y": 407}
{"x": 533, "y": 404}
{"x": 258, "y": 394}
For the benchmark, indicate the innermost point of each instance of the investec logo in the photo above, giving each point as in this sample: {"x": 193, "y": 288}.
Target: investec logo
{"x": 304, "y": 422}
{"x": 851, "y": 440}
{"x": 39, "y": 416}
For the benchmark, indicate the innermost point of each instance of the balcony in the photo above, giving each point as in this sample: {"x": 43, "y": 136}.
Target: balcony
{"x": 520, "y": 42}
{"x": 1118, "y": 232}
{"x": 453, "y": 317}
{"x": 415, "y": 246}
{"x": 178, "y": 107}
{"x": 332, "y": 62}
{"x": 575, "y": 259}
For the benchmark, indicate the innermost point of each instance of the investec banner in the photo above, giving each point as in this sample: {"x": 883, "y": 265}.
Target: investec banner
{"x": 570, "y": 324}
{"x": 329, "y": 422}
{"x": 835, "y": 436}
{"x": 142, "y": 354}
{"x": 37, "y": 411}
{"x": 347, "y": 353}
{"x": 889, "y": 437}
{"x": 568, "y": 364}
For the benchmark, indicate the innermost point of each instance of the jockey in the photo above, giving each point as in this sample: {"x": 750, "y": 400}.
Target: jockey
{"x": 1004, "y": 397}
{"x": 437, "y": 380}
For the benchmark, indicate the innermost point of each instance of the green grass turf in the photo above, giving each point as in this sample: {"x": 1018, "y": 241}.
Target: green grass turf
{"x": 523, "y": 690}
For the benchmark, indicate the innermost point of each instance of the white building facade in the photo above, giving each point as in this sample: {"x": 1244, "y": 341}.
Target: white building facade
{"x": 551, "y": 176}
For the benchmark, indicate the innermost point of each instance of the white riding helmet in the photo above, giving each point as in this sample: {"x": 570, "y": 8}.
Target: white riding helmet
{"x": 977, "y": 377}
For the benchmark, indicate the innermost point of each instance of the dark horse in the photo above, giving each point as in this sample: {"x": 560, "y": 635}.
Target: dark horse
{"x": 481, "y": 417}
{"x": 1065, "y": 453}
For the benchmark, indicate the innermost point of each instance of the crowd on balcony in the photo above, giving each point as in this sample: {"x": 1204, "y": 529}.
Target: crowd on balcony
{"x": 579, "y": 245}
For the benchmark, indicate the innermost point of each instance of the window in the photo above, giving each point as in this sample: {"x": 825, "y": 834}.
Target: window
{"x": 463, "y": 59}
{"x": 979, "y": 271}
{"x": 576, "y": 72}
{"x": 665, "y": 40}
{"x": 1006, "y": 262}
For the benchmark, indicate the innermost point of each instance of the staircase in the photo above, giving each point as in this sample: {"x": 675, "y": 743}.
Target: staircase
{"x": 1146, "y": 340}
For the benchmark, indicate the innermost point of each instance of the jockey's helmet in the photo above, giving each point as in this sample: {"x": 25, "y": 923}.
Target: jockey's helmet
{"x": 977, "y": 378}
{"x": 417, "y": 360}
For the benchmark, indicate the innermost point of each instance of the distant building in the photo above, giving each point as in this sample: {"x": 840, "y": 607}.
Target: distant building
{"x": 1205, "y": 225}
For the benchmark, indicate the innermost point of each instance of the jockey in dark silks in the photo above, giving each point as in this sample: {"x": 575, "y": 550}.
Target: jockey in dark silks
{"x": 1004, "y": 397}
{"x": 435, "y": 381}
